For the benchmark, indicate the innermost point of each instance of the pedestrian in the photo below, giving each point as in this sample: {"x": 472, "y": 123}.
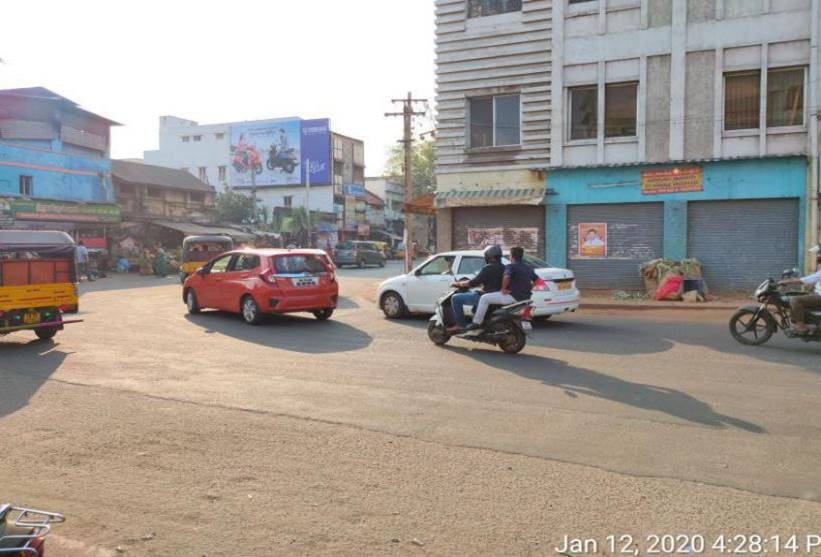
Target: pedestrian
{"x": 146, "y": 262}
{"x": 82, "y": 261}
{"x": 160, "y": 262}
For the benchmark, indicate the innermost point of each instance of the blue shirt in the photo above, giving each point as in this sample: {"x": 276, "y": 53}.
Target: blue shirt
{"x": 522, "y": 277}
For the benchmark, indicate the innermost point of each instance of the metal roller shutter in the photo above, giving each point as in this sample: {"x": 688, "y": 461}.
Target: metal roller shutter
{"x": 517, "y": 222}
{"x": 635, "y": 234}
{"x": 741, "y": 243}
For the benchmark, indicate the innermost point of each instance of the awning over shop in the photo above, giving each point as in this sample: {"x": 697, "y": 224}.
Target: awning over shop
{"x": 489, "y": 197}
{"x": 190, "y": 228}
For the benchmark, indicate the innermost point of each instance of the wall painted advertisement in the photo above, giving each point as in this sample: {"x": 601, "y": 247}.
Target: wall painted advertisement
{"x": 527, "y": 238}
{"x": 274, "y": 152}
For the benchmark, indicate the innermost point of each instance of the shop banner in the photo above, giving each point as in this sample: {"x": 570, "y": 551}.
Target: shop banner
{"x": 672, "y": 180}
{"x": 35, "y": 210}
{"x": 273, "y": 152}
{"x": 527, "y": 238}
{"x": 593, "y": 240}
{"x": 355, "y": 190}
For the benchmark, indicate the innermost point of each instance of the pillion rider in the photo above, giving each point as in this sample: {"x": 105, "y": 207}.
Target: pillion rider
{"x": 489, "y": 278}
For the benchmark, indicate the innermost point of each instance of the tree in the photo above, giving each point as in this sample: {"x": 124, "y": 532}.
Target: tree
{"x": 233, "y": 206}
{"x": 424, "y": 165}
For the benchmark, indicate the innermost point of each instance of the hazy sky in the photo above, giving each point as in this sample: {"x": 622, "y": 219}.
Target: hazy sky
{"x": 215, "y": 61}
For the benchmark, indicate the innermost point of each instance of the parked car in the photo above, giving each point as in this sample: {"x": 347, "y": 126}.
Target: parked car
{"x": 255, "y": 282}
{"x": 359, "y": 254}
{"x": 417, "y": 291}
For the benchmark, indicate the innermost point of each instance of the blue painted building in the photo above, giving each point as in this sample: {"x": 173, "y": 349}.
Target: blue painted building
{"x": 55, "y": 165}
{"x": 744, "y": 219}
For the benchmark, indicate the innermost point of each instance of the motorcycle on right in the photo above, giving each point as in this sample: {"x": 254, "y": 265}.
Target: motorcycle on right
{"x": 755, "y": 324}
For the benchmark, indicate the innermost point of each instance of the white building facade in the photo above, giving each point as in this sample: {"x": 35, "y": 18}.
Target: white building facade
{"x": 493, "y": 121}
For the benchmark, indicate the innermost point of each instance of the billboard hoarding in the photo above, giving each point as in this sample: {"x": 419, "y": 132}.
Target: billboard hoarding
{"x": 274, "y": 152}
{"x": 316, "y": 147}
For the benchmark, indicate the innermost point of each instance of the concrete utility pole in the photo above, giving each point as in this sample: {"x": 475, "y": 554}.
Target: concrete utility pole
{"x": 308, "y": 197}
{"x": 408, "y": 114}
{"x": 253, "y": 194}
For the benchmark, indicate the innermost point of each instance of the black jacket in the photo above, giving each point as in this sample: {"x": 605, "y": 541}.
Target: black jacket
{"x": 490, "y": 277}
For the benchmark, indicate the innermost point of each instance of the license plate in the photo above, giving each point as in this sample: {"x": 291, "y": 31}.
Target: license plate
{"x": 31, "y": 318}
{"x": 527, "y": 326}
{"x": 305, "y": 281}
{"x": 565, "y": 285}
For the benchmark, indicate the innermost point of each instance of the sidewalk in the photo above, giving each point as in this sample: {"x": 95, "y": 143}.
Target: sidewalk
{"x": 606, "y": 299}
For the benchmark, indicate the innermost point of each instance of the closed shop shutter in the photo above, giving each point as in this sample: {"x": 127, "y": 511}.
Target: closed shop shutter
{"x": 634, "y": 234}
{"x": 741, "y": 243}
{"x": 518, "y": 225}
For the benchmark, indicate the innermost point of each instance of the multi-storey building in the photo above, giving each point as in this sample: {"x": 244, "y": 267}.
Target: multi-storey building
{"x": 493, "y": 130}
{"x": 392, "y": 191}
{"x": 683, "y": 129}
{"x": 55, "y": 167}
{"x": 269, "y": 159}
{"x": 656, "y": 128}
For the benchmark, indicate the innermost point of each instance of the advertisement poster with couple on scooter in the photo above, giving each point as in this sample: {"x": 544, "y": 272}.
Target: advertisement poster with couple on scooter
{"x": 273, "y": 153}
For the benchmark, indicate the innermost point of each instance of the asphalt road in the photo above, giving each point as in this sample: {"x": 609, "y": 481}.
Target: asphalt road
{"x": 163, "y": 433}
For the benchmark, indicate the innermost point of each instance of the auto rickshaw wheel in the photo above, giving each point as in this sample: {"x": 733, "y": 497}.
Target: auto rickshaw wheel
{"x": 46, "y": 333}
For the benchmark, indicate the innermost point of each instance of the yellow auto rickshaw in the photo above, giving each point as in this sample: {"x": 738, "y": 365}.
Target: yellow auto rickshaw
{"x": 38, "y": 281}
{"x": 199, "y": 250}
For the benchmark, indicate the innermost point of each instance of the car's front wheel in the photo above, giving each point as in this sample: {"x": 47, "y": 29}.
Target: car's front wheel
{"x": 250, "y": 311}
{"x": 392, "y": 305}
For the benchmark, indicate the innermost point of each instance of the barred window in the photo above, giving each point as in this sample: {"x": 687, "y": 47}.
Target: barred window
{"x": 482, "y": 8}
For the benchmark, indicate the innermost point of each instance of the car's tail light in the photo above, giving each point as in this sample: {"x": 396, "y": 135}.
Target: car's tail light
{"x": 269, "y": 277}
{"x": 540, "y": 286}
{"x": 38, "y": 545}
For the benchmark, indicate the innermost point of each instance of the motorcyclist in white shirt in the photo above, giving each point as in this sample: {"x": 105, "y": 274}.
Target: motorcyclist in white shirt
{"x": 801, "y": 304}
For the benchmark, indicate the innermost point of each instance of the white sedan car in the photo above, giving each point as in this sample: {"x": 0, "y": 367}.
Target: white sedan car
{"x": 417, "y": 291}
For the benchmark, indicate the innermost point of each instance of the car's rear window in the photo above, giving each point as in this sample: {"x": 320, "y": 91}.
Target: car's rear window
{"x": 298, "y": 264}
{"x": 344, "y": 245}
{"x": 536, "y": 262}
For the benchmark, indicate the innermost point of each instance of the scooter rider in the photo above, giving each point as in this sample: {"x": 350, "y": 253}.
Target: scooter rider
{"x": 800, "y": 304}
{"x": 489, "y": 278}
{"x": 517, "y": 285}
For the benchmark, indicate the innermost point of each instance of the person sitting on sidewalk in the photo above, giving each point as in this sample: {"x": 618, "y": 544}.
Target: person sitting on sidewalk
{"x": 517, "y": 286}
{"x": 801, "y": 304}
{"x": 489, "y": 278}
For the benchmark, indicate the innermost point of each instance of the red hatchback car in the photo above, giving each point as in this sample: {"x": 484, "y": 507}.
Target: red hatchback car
{"x": 254, "y": 282}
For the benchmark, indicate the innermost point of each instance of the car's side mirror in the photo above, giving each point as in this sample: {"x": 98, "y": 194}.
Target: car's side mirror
{"x": 418, "y": 272}
{"x": 202, "y": 271}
